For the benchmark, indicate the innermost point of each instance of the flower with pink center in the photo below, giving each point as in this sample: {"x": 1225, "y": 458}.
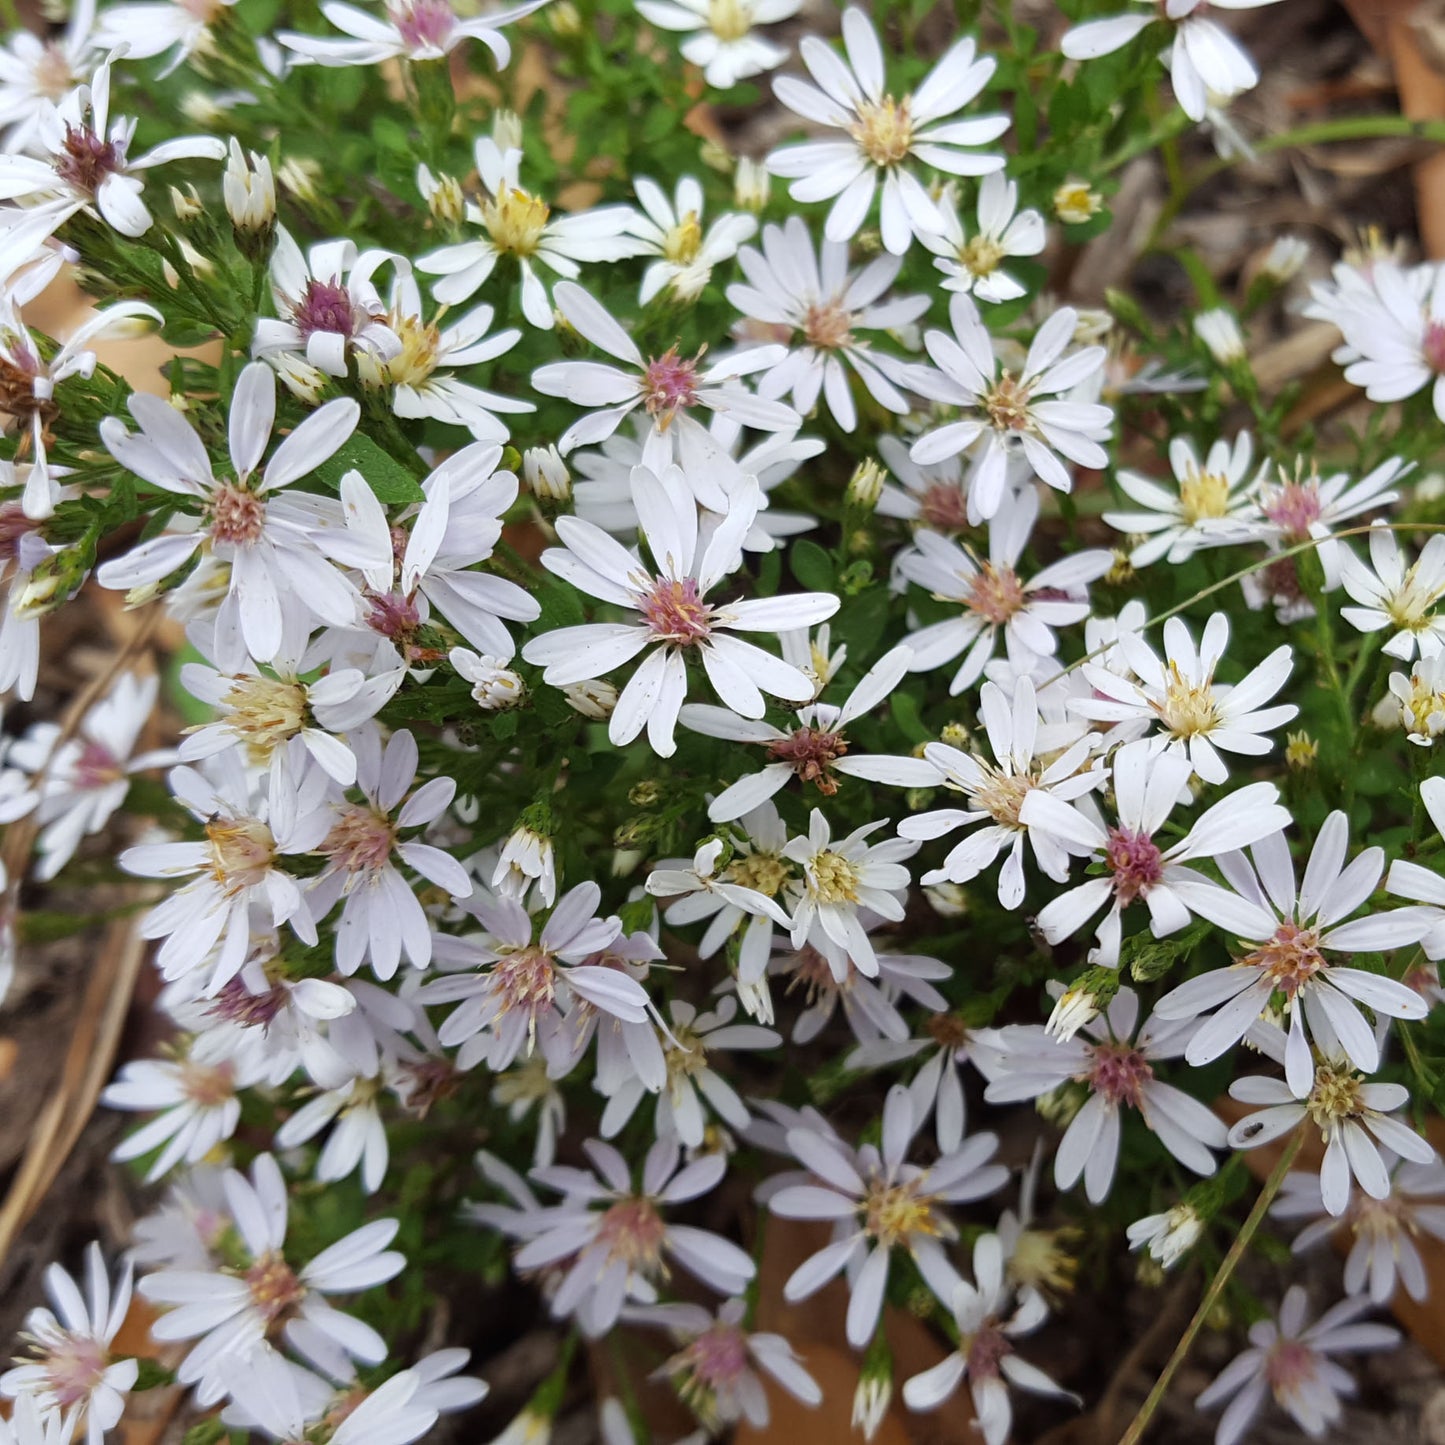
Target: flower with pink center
{"x": 823, "y": 307}
{"x": 381, "y": 916}
{"x": 412, "y": 30}
{"x": 270, "y": 544}
{"x": 269, "y": 1299}
{"x": 816, "y": 750}
{"x": 68, "y": 1367}
{"x": 1294, "y": 1364}
{"x": 1291, "y": 937}
{"x": 1148, "y": 786}
{"x": 670, "y": 388}
{"x": 327, "y": 305}
{"x": 534, "y": 981}
{"x": 1115, "y": 1064}
{"x": 611, "y": 1241}
{"x": 987, "y": 1356}
{"x": 719, "y": 1364}
{"x": 674, "y": 618}
{"x": 993, "y": 600}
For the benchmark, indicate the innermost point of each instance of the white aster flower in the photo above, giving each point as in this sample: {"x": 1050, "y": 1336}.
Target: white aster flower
{"x": 1116, "y": 1067}
{"x": 1294, "y": 1363}
{"x": 1147, "y": 787}
{"x": 672, "y": 231}
{"x": 1178, "y": 695}
{"x": 621, "y": 1249}
{"x": 413, "y": 30}
{"x": 68, "y": 1368}
{"x": 231, "y": 1313}
{"x": 1024, "y": 413}
{"x": 883, "y": 134}
{"x": 993, "y": 599}
{"x": 722, "y": 39}
{"x": 1415, "y": 701}
{"x": 528, "y": 858}
{"x": 975, "y": 264}
{"x": 1290, "y": 936}
{"x": 879, "y": 1202}
{"x": 37, "y": 73}
{"x": 146, "y": 29}
{"x": 1027, "y": 757}
{"x": 986, "y": 1355}
{"x": 1395, "y": 598}
{"x": 1394, "y": 328}
{"x": 1168, "y": 1236}
{"x": 1220, "y": 332}
{"x": 674, "y": 617}
{"x": 871, "y": 1008}
{"x": 519, "y": 225}
{"x": 824, "y": 305}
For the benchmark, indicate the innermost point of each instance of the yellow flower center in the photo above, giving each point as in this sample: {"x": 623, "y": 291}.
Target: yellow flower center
{"x": 834, "y": 878}
{"x": 1202, "y": 495}
{"x": 729, "y": 19}
{"x": 883, "y": 130}
{"x": 764, "y": 873}
{"x": 684, "y": 240}
{"x": 1189, "y": 709}
{"x": 1001, "y": 795}
{"x": 266, "y": 712}
{"x": 515, "y": 221}
{"x": 1007, "y": 405}
{"x": 1335, "y": 1096}
{"x": 981, "y": 256}
{"x": 895, "y": 1213}
{"x": 420, "y": 346}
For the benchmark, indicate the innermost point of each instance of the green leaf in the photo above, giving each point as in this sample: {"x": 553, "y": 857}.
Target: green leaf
{"x": 561, "y": 607}
{"x": 387, "y": 478}
{"x": 504, "y": 724}
{"x": 811, "y": 565}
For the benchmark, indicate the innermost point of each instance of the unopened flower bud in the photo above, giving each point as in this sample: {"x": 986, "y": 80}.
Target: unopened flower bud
{"x": 300, "y": 177}
{"x": 1301, "y": 752}
{"x": 592, "y": 697}
{"x": 527, "y": 858}
{"x": 646, "y": 794}
{"x": 1076, "y": 202}
{"x": 1285, "y": 259}
{"x": 874, "y": 1391}
{"x": 756, "y": 999}
{"x": 948, "y": 900}
{"x": 201, "y": 110}
{"x": 507, "y": 130}
{"x": 249, "y": 190}
{"x": 566, "y": 21}
{"x": 186, "y": 204}
{"x": 956, "y": 735}
{"x": 1082, "y": 1003}
{"x": 1168, "y": 1236}
{"x": 494, "y": 685}
{"x": 1220, "y": 332}
{"x": 865, "y": 486}
{"x": 304, "y": 381}
{"x": 443, "y": 195}
{"x": 751, "y": 184}
{"x": 546, "y": 474}
{"x": 716, "y": 156}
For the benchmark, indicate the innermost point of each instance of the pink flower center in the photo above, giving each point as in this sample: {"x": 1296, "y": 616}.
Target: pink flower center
{"x": 675, "y": 612}
{"x": 1291, "y": 958}
{"x": 74, "y": 1369}
{"x": 811, "y": 971}
{"x": 1136, "y": 862}
{"x": 208, "y": 1087}
{"x": 669, "y": 382}
{"x": 424, "y": 24}
{"x": 632, "y": 1232}
{"x": 360, "y": 841}
{"x": 1433, "y": 346}
{"x": 85, "y": 160}
{"x": 236, "y": 1004}
{"x": 392, "y": 615}
{"x": 716, "y": 1359}
{"x": 944, "y": 507}
{"x": 1007, "y": 405}
{"x": 1294, "y": 509}
{"x": 14, "y": 525}
{"x": 326, "y": 306}
{"x": 238, "y": 517}
{"x": 811, "y": 754}
{"x": 827, "y": 325}
{"x": 995, "y": 594}
{"x": 525, "y": 980}
{"x": 1289, "y": 1367}
{"x": 1119, "y": 1073}
{"x": 275, "y": 1290}
{"x": 984, "y": 1351}
{"x": 241, "y": 852}
{"x": 96, "y": 767}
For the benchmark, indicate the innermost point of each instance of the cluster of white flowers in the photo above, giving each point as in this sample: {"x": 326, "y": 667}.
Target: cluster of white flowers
{"x": 550, "y": 815}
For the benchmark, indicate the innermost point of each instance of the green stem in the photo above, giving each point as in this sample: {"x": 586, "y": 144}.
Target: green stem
{"x": 1140, "y": 1424}
{"x": 1172, "y": 125}
{"x": 1363, "y": 658}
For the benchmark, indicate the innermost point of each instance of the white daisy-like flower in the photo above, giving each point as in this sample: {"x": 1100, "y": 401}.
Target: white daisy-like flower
{"x": 672, "y": 232}
{"x": 68, "y": 1368}
{"x": 986, "y": 1355}
{"x": 1415, "y": 701}
{"x": 934, "y": 497}
{"x": 841, "y": 877}
{"x": 879, "y": 1202}
{"x": 824, "y": 305}
{"x": 1213, "y": 506}
{"x": 381, "y": 916}
{"x": 357, "y": 1142}
{"x": 1178, "y": 696}
{"x": 1205, "y": 62}
{"x": 975, "y": 264}
{"x": 82, "y": 164}
{"x": 814, "y": 751}
{"x": 1028, "y": 755}
{"x": 716, "y": 1367}
{"x": 1115, "y": 1064}
{"x": 1147, "y": 787}
{"x": 267, "y": 540}
{"x": 1026, "y": 413}
{"x": 1384, "y": 1253}
{"x": 667, "y": 387}
{"x": 1395, "y": 598}
{"x": 37, "y": 73}
{"x": 413, "y": 30}
{"x": 1168, "y": 1236}
{"x": 993, "y": 599}
{"x": 720, "y": 34}
{"x": 149, "y": 29}
{"x": 1294, "y": 1363}
{"x": 1290, "y": 935}
{"x": 519, "y": 225}
{"x": 883, "y": 134}
{"x": 1395, "y": 330}
{"x": 233, "y": 1311}
{"x": 674, "y": 616}
{"x": 621, "y": 1249}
